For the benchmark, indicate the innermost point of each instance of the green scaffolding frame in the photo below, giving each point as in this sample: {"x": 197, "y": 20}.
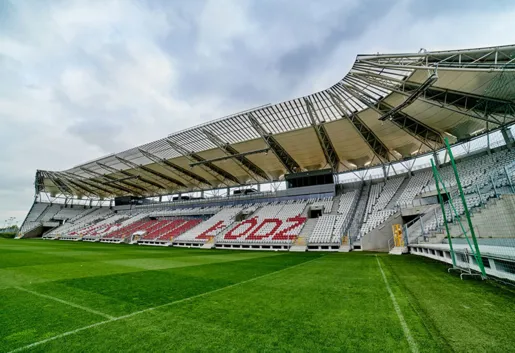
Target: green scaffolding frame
{"x": 474, "y": 246}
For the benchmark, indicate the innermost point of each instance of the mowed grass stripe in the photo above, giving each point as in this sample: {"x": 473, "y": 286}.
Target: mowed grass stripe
{"x": 338, "y": 303}
{"x": 120, "y": 294}
{"x": 24, "y": 275}
{"x": 32, "y": 345}
{"x": 26, "y": 318}
{"x": 463, "y": 315}
{"x": 65, "y": 302}
{"x": 405, "y": 328}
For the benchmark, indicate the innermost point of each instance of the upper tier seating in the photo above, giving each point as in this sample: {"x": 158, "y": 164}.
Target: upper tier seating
{"x": 69, "y": 213}
{"x": 415, "y": 186}
{"x": 31, "y": 221}
{"x": 326, "y": 203}
{"x": 329, "y": 228}
{"x": 478, "y": 172}
{"x": 380, "y": 197}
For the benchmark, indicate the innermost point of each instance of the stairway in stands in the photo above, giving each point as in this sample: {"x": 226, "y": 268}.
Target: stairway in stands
{"x": 336, "y": 203}
{"x": 302, "y": 240}
{"x": 359, "y": 214}
{"x": 398, "y": 193}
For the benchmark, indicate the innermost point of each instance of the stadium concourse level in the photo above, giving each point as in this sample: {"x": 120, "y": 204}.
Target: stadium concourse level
{"x": 263, "y": 221}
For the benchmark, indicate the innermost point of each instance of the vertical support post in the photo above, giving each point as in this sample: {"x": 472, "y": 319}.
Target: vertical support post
{"x": 508, "y": 137}
{"x": 445, "y": 156}
{"x": 406, "y": 234}
{"x": 488, "y": 139}
{"x": 466, "y": 209}
{"x": 437, "y": 161}
{"x": 385, "y": 175}
{"x": 493, "y": 185}
{"x": 509, "y": 179}
{"x": 440, "y": 199}
{"x": 479, "y": 194}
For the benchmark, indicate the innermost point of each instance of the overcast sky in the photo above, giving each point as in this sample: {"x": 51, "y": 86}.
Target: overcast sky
{"x": 81, "y": 79}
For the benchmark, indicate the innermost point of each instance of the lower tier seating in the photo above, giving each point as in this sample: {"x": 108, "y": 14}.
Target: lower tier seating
{"x": 270, "y": 224}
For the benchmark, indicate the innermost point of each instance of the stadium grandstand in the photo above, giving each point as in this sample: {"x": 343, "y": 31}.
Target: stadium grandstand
{"x": 364, "y": 165}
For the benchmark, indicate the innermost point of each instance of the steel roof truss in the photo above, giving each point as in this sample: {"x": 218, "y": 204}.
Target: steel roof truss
{"x": 90, "y": 183}
{"x": 111, "y": 180}
{"x": 152, "y": 172}
{"x": 63, "y": 188}
{"x": 282, "y": 155}
{"x": 218, "y": 173}
{"x": 431, "y": 138}
{"x": 376, "y": 145}
{"x": 87, "y": 191}
{"x": 325, "y": 142}
{"x": 248, "y": 166}
{"x": 174, "y": 168}
{"x": 463, "y": 103}
{"x": 114, "y": 170}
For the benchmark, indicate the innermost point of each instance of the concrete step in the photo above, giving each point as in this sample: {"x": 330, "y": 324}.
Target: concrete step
{"x": 399, "y": 250}
{"x": 298, "y": 248}
{"x": 344, "y": 248}
{"x": 336, "y": 203}
{"x": 308, "y": 228}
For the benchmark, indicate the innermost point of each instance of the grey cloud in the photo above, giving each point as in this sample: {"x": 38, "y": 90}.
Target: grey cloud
{"x": 101, "y": 133}
{"x": 434, "y": 8}
{"x": 267, "y": 74}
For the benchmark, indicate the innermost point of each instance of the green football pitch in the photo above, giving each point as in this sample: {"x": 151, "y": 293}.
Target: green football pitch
{"x": 58, "y": 296}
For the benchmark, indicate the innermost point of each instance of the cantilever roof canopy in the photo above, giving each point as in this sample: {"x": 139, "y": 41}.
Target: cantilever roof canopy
{"x": 387, "y": 108}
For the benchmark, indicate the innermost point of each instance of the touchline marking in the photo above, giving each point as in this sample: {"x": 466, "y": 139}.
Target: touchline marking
{"x": 65, "y": 302}
{"x": 404, "y": 325}
{"x": 154, "y": 308}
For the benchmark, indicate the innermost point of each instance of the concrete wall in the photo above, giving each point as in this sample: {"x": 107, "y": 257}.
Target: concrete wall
{"x": 497, "y": 220}
{"x": 306, "y": 190}
{"x": 413, "y": 211}
{"x": 377, "y": 240}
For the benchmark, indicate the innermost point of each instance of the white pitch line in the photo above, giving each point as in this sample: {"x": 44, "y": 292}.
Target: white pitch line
{"x": 154, "y": 308}
{"x": 397, "y": 308}
{"x": 65, "y": 302}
